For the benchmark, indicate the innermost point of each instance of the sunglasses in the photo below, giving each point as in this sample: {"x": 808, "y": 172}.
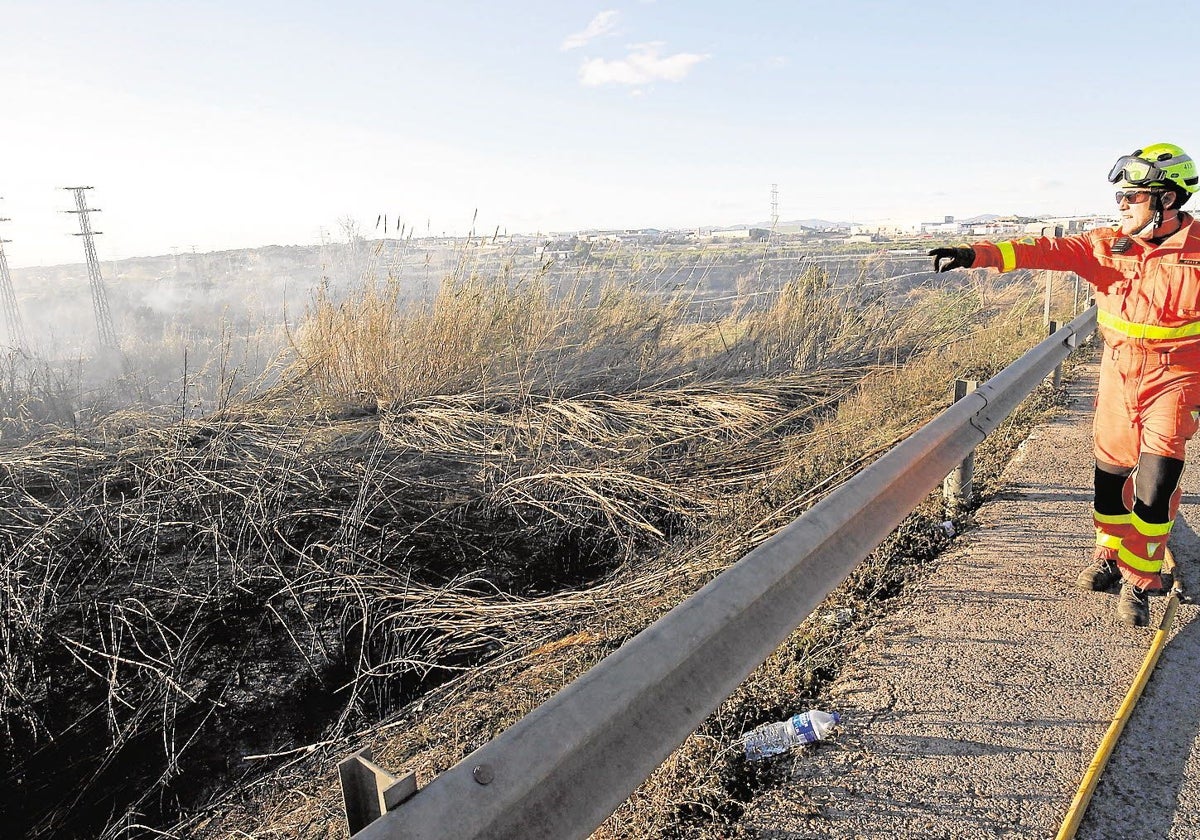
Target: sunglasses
{"x": 1132, "y": 196}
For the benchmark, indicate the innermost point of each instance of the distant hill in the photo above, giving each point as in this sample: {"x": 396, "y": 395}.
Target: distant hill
{"x": 824, "y": 224}
{"x": 797, "y": 224}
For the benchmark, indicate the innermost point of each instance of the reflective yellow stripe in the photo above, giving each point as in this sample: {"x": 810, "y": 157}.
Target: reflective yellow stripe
{"x": 1008, "y": 255}
{"x": 1152, "y": 567}
{"x": 1152, "y": 331}
{"x": 1107, "y": 540}
{"x": 1150, "y": 529}
{"x": 1102, "y": 520}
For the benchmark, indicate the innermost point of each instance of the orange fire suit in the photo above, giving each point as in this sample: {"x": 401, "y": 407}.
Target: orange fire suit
{"x": 1148, "y": 300}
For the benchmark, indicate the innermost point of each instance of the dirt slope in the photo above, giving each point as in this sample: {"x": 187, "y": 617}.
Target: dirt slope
{"x": 974, "y": 710}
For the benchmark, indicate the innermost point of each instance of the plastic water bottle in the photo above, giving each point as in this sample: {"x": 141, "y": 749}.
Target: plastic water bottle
{"x": 774, "y": 738}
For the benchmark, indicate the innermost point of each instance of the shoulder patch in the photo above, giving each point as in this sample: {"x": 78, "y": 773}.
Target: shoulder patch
{"x": 1028, "y": 240}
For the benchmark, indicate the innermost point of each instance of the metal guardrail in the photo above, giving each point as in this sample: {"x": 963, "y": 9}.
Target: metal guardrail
{"x": 562, "y": 769}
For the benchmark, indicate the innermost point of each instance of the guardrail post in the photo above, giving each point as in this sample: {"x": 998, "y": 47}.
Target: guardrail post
{"x": 957, "y": 486}
{"x": 1054, "y": 380}
{"x": 369, "y": 791}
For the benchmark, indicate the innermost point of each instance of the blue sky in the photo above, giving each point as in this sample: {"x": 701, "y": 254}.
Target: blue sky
{"x": 222, "y": 125}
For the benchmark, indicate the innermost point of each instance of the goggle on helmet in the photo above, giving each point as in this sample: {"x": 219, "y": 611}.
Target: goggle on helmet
{"x": 1157, "y": 165}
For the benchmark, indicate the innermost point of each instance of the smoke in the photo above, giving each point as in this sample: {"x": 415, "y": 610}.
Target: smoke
{"x": 194, "y": 329}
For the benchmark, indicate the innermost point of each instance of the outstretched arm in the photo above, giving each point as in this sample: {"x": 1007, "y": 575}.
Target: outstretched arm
{"x": 1068, "y": 253}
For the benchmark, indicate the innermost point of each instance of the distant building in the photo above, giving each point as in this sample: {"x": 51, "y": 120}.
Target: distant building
{"x": 640, "y": 235}
{"x": 1040, "y": 228}
{"x": 1003, "y": 226}
{"x": 753, "y": 234}
{"x": 1079, "y": 224}
{"x": 947, "y": 226}
{"x": 886, "y": 229}
{"x": 548, "y": 253}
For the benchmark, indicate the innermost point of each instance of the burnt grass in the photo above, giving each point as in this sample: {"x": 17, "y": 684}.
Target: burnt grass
{"x": 156, "y": 665}
{"x": 177, "y": 599}
{"x": 184, "y": 597}
{"x": 703, "y": 791}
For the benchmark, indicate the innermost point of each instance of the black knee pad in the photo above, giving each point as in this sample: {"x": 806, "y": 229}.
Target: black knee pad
{"x": 1157, "y": 478}
{"x": 1109, "y": 487}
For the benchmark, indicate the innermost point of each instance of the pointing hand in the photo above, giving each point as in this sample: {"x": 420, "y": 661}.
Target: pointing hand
{"x": 944, "y": 259}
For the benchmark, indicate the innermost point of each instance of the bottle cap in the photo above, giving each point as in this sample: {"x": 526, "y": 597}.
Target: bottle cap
{"x": 836, "y": 717}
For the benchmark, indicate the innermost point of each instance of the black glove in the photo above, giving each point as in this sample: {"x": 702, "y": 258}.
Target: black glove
{"x": 945, "y": 259}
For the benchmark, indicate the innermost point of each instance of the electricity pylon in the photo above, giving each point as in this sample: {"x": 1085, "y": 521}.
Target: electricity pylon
{"x": 12, "y": 315}
{"x": 105, "y": 330}
{"x": 774, "y": 208}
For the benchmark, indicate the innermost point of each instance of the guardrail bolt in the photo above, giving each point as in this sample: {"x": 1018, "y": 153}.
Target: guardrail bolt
{"x": 484, "y": 774}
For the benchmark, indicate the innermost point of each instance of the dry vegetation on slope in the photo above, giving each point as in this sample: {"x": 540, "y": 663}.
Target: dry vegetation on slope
{"x": 439, "y": 491}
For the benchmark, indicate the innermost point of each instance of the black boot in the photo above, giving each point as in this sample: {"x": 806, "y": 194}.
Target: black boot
{"x": 1133, "y": 606}
{"x": 1101, "y": 575}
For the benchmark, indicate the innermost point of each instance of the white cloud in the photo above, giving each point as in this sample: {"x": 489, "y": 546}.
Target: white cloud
{"x": 642, "y": 66}
{"x": 601, "y": 24}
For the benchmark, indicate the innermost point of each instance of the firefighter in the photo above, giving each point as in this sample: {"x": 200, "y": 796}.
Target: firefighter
{"x": 1146, "y": 271}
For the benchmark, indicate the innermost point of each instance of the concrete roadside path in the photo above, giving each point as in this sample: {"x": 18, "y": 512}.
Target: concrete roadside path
{"x": 974, "y": 709}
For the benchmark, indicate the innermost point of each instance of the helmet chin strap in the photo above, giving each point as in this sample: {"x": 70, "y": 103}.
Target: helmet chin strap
{"x": 1156, "y": 218}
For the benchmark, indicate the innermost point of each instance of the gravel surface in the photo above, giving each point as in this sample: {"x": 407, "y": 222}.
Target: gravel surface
{"x": 974, "y": 710}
